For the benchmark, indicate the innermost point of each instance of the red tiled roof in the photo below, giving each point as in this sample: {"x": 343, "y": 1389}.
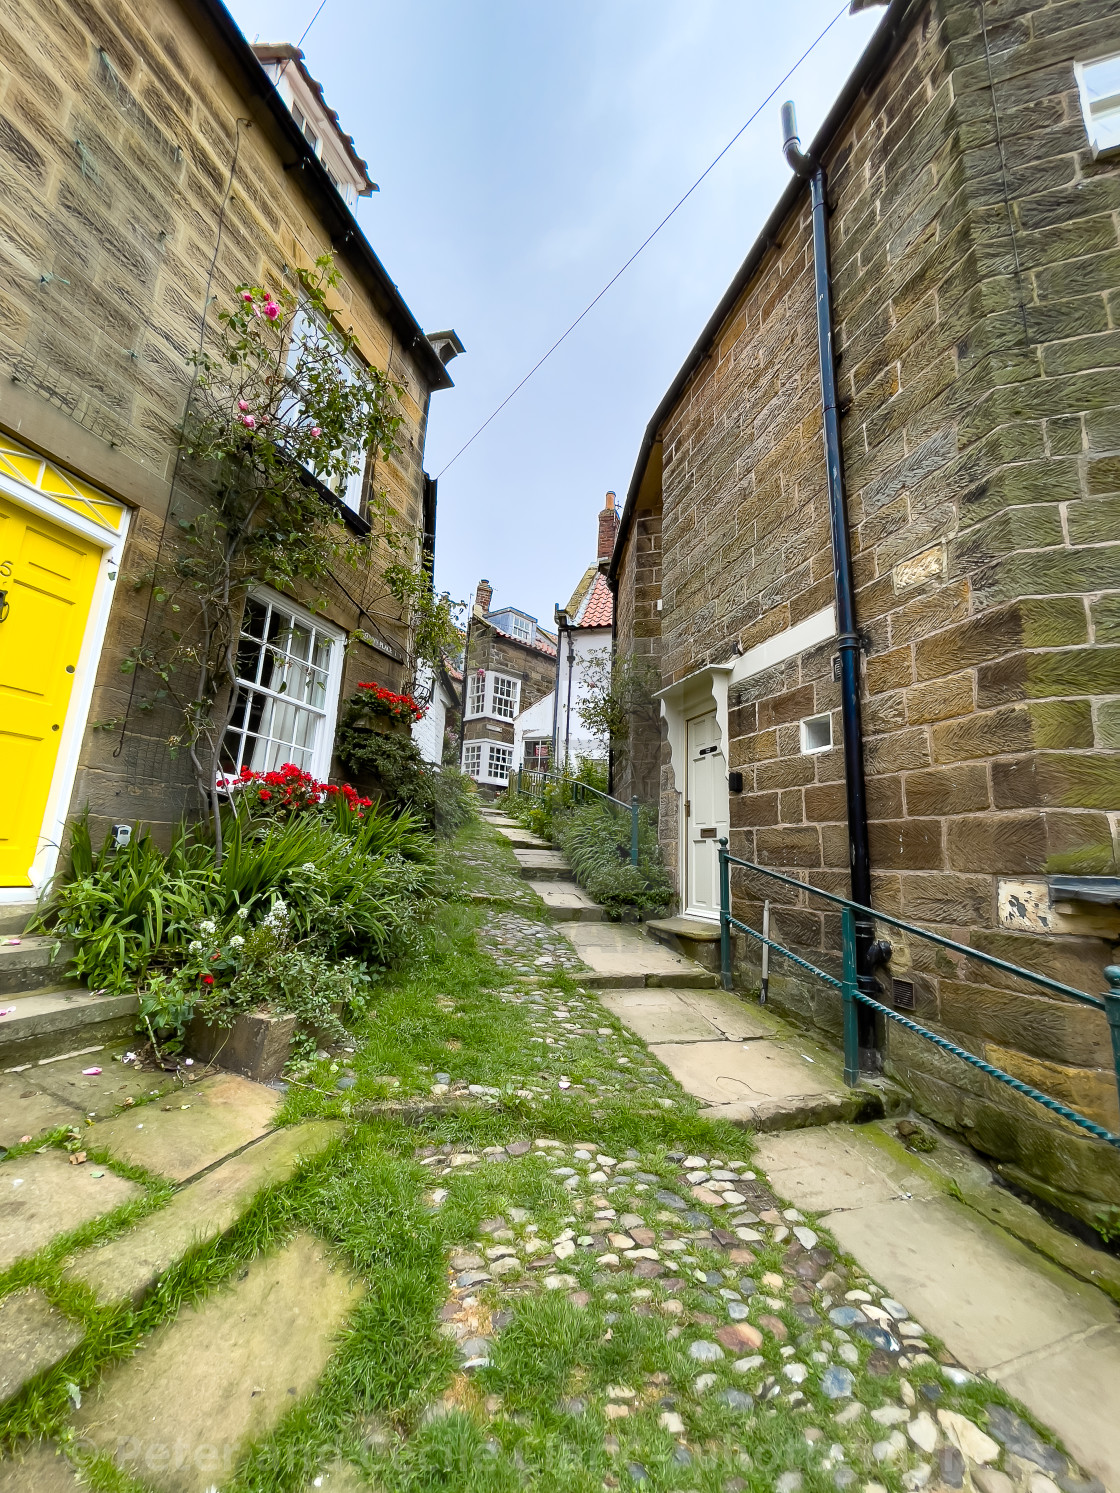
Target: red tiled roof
{"x": 540, "y": 646}
{"x": 597, "y": 609}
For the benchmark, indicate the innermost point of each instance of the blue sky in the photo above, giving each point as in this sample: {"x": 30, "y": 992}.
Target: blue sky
{"x": 523, "y": 152}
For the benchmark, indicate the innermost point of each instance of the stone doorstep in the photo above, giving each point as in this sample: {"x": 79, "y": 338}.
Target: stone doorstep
{"x": 128, "y": 1266}
{"x": 15, "y": 916}
{"x": 695, "y": 938}
{"x": 226, "y": 1114}
{"x": 34, "y": 1336}
{"x": 178, "y": 1415}
{"x": 32, "y": 963}
{"x": 50, "y": 1022}
{"x": 800, "y": 1111}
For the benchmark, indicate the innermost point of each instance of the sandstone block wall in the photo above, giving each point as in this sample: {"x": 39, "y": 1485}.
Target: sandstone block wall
{"x": 120, "y": 136}
{"x": 976, "y": 287}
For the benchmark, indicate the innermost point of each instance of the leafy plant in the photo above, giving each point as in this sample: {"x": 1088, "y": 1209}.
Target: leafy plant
{"x": 595, "y": 838}
{"x": 443, "y": 798}
{"x": 354, "y": 886}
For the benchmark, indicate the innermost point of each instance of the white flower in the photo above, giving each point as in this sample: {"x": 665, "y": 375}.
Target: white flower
{"x": 236, "y": 942}
{"x": 308, "y": 866}
{"x": 242, "y": 913}
{"x": 208, "y": 927}
{"x": 194, "y": 948}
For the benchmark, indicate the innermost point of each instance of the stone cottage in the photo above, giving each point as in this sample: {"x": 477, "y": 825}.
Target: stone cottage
{"x": 150, "y": 162}
{"x": 970, "y": 210}
{"x": 509, "y": 664}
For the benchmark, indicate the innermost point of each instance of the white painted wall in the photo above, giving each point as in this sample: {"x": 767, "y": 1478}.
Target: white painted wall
{"x": 535, "y": 721}
{"x": 428, "y": 732}
{"x": 573, "y": 740}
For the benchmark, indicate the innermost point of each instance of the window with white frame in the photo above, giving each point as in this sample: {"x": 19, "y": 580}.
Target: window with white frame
{"x": 1099, "y": 85}
{"x": 309, "y": 331}
{"x": 504, "y": 695}
{"x": 287, "y": 669}
{"x": 501, "y": 761}
{"x": 493, "y": 694}
{"x": 521, "y": 627}
{"x": 472, "y": 759}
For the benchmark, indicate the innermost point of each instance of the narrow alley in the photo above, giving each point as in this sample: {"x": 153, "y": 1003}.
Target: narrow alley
{"x": 515, "y": 1236}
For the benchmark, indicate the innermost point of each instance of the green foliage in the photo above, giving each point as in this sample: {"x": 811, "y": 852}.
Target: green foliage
{"x": 595, "y": 837}
{"x": 444, "y": 798}
{"x": 139, "y": 911}
{"x": 617, "y": 702}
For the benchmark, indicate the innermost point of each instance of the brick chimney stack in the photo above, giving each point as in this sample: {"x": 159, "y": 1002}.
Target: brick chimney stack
{"x": 483, "y": 597}
{"x": 608, "y": 527}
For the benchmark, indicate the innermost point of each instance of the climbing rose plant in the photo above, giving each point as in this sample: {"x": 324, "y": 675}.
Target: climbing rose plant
{"x": 282, "y": 410}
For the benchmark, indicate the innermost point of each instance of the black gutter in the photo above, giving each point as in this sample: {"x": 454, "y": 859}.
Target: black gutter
{"x": 898, "y": 18}
{"x": 225, "y": 39}
{"x": 808, "y": 167}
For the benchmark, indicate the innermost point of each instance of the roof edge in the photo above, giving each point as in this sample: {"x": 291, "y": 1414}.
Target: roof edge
{"x": 899, "y": 16}
{"x": 219, "y": 28}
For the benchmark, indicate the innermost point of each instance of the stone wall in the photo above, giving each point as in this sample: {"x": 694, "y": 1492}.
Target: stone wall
{"x": 120, "y": 136}
{"x": 638, "y": 602}
{"x": 976, "y": 286}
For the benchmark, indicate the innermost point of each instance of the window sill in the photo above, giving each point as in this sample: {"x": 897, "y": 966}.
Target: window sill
{"x": 353, "y": 521}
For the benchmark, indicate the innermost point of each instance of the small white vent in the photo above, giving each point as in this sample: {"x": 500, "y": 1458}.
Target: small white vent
{"x": 816, "y": 734}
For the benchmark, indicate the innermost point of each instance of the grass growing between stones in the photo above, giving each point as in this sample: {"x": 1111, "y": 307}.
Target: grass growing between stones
{"x": 570, "y": 1316}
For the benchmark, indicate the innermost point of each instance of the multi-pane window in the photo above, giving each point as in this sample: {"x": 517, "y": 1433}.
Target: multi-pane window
{"x": 537, "y": 754}
{"x": 472, "y": 759}
{"x": 501, "y": 760}
{"x": 285, "y": 691}
{"x": 521, "y": 627}
{"x": 504, "y": 696}
{"x": 1099, "y": 85}
{"x": 309, "y": 332}
{"x": 493, "y": 694}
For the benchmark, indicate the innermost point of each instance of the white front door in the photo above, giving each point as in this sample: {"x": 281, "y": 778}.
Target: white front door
{"x": 706, "y": 815}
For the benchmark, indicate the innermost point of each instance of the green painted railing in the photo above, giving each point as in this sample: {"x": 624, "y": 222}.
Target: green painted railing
{"x": 850, "y": 993}
{"x": 529, "y": 782}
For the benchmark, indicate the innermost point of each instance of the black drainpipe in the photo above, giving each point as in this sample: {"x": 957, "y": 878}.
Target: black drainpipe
{"x": 859, "y": 856}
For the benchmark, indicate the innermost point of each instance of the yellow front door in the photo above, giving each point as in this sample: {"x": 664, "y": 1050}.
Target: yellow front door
{"x": 48, "y": 576}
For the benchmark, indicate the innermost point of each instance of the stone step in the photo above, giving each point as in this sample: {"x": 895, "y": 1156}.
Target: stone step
{"x": 522, "y": 839}
{"x": 34, "y": 1336}
{"x": 543, "y": 865}
{"x": 620, "y": 956}
{"x": 131, "y": 1264}
{"x": 15, "y": 916}
{"x": 566, "y": 902}
{"x": 48, "y": 1023}
{"x": 695, "y": 938}
{"x": 212, "y": 1120}
{"x": 64, "y": 1091}
{"x": 42, "y": 1195}
{"x": 178, "y": 1415}
{"x": 29, "y": 961}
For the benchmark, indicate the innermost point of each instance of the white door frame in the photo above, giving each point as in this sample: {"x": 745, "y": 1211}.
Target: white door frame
{"x": 691, "y": 907}
{"x": 73, "y": 728}
{"x": 707, "y": 688}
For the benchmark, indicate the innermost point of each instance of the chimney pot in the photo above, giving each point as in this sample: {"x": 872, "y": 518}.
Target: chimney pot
{"x": 483, "y": 597}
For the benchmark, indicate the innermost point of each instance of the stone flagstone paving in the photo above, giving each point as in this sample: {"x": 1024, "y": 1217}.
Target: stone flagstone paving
{"x": 636, "y": 1318}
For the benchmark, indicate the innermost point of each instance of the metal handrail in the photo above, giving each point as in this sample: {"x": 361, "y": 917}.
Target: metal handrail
{"x": 565, "y": 781}
{"x": 1109, "y": 1003}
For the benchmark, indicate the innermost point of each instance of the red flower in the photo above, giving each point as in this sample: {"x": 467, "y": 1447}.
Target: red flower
{"x": 208, "y": 979}
{"x": 264, "y": 795}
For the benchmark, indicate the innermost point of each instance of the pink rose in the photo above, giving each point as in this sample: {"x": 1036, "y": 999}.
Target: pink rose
{"x": 271, "y": 309}
{"x": 246, "y": 295}
{"x": 249, "y": 422}
{"x": 242, "y": 405}
{"x": 316, "y": 432}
